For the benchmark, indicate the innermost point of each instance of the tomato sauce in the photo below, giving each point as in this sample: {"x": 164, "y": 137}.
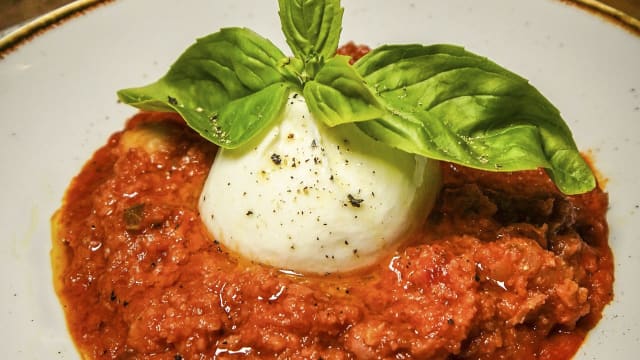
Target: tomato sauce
{"x": 507, "y": 268}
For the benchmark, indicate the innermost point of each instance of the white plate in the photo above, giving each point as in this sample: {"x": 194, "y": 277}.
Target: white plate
{"x": 58, "y": 105}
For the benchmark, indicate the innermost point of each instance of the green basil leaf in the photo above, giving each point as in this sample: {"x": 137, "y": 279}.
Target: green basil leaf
{"x": 312, "y": 27}
{"x": 339, "y": 95}
{"x": 438, "y": 101}
{"x": 446, "y": 103}
{"x": 233, "y": 67}
{"x": 244, "y": 118}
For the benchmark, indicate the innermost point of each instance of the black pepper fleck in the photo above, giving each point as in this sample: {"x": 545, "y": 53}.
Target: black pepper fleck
{"x": 354, "y": 201}
{"x": 172, "y": 100}
{"x": 249, "y": 213}
{"x": 276, "y": 159}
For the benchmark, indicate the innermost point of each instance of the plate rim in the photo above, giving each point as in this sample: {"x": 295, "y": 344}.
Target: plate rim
{"x": 39, "y": 25}
{"x": 618, "y": 17}
{"x": 23, "y": 34}
{"x": 88, "y": 5}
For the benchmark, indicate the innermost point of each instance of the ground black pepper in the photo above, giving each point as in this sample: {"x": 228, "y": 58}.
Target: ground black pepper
{"x": 276, "y": 159}
{"x": 355, "y": 202}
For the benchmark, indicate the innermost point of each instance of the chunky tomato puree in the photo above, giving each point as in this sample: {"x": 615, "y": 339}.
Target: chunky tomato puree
{"x": 506, "y": 268}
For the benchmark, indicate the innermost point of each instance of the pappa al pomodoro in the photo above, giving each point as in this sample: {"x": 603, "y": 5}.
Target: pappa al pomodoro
{"x": 497, "y": 264}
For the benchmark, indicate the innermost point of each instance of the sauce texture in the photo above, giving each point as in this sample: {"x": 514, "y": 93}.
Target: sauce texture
{"x": 506, "y": 268}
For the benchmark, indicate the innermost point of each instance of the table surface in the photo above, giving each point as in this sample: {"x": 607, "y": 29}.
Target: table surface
{"x": 17, "y": 11}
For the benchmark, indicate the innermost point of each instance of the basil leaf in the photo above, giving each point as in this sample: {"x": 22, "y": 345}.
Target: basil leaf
{"x": 438, "y": 101}
{"x": 246, "y": 117}
{"x": 339, "y": 95}
{"x": 446, "y": 103}
{"x": 219, "y": 75}
{"x": 312, "y": 27}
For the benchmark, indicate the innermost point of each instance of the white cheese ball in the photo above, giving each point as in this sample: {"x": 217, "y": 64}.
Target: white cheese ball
{"x": 313, "y": 199}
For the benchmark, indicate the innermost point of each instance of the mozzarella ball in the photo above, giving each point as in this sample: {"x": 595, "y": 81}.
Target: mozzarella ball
{"x": 310, "y": 198}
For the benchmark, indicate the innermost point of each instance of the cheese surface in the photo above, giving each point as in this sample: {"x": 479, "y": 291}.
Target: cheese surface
{"x": 309, "y": 198}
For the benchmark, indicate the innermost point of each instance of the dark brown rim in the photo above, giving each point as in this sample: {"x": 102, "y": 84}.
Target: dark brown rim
{"x": 45, "y": 22}
{"x": 608, "y": 12}
{"x": 52, "y": 19}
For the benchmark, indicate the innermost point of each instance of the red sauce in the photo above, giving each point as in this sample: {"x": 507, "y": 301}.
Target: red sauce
{"x": 507, "y": 267}
{"x": 353, "y": 50}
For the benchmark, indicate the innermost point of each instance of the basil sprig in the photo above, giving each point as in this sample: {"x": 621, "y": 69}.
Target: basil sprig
{"x": 312, "y": 28}
{"x": 438, "y": 101}
{"x": 228, "y": 86}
